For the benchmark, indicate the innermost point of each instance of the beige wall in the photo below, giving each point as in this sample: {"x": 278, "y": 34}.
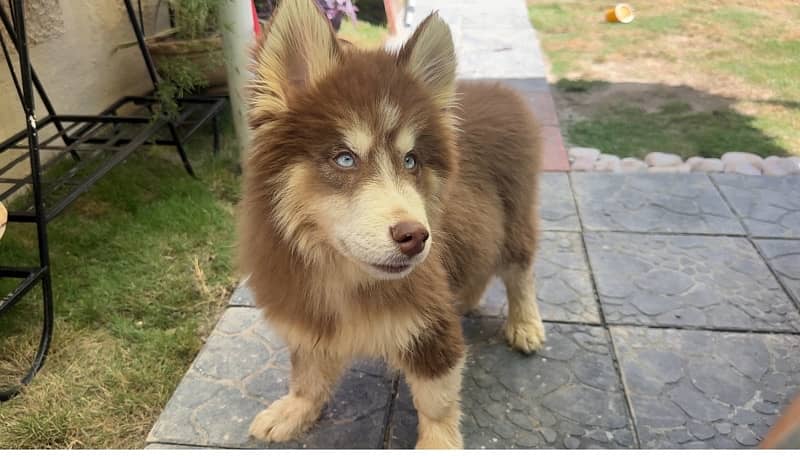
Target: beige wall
{"x": 71, "y": 44}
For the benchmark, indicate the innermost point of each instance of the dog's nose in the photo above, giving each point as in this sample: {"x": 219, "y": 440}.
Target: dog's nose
{"x": 410, "y": 237}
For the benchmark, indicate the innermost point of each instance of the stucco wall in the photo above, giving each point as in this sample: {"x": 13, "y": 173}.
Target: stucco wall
{"x": 71, "y": 44}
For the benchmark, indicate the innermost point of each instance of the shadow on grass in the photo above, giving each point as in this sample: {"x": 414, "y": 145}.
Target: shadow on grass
{"x": 632, "y": 119}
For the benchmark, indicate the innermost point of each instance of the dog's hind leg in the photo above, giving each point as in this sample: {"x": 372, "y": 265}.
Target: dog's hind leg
{"x": 524, "y": 329}
{"x": 314, "y": 376}
{"x": 471, "y": 293}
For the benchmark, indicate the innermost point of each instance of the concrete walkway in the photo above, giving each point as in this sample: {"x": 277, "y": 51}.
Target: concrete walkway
{"x": 671, "y": 304}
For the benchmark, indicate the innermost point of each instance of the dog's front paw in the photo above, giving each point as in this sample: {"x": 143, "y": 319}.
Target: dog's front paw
{"x": 284, "y": 419}
{"x": 445, "y": 436}
{"x": 525, "y": 336}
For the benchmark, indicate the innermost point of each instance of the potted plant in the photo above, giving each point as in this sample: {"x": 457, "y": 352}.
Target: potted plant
{"x": 195, "y": 38}
{"x": 188, "y": 56}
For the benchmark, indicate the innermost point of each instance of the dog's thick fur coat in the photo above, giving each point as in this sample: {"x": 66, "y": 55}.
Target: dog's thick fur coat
{"x": 346, "y": 145}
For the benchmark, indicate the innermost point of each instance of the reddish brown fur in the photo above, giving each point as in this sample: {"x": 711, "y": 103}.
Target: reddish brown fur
{"x": 492, "y": 221}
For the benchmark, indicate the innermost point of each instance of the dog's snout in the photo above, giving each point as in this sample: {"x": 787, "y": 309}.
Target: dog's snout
{"x": 410, "y": 237}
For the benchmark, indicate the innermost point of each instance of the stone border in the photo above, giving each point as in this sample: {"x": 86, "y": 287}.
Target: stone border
{"x": 590, "y": 159}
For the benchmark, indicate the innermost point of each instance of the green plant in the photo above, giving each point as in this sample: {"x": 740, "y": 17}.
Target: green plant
{"x": 180, "y": 77}
{"x": 194, "y": 20}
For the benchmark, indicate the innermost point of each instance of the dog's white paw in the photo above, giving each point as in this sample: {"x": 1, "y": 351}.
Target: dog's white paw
{"x": 525, "y": 336}
{"x": 445, "y": 434}
{"x": 284, "y": 419}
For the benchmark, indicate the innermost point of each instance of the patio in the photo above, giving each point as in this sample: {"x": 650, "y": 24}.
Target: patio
{"x": 672, "y": 318}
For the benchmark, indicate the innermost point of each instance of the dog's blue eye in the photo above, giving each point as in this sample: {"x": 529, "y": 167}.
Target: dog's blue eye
{"x": 345, "y": 160}
{"x": 410, "y": 162}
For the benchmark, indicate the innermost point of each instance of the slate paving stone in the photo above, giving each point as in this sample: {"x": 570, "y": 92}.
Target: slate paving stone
{"x": 241, "y": 370}
{"x": 242, "y": 296}
{"x": 567, "y": 396}
{"x": 556, "y": 205}
{"x": 706, "y": 389}
{"x": 687, "y": 281}
{"x": 667, "y": 203}
{"x": 784, "y": 257}
{"x": 769, "y": 205}
{"x": 563, "y": 284}
{"x": 166, "y": 446}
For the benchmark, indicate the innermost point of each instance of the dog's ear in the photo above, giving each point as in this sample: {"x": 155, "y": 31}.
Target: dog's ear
{"x": 430, "y": 56}
{"x": 297, "y": 48}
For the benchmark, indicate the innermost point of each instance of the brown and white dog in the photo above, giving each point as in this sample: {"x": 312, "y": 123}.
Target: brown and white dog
{"x": 380, "y": 198}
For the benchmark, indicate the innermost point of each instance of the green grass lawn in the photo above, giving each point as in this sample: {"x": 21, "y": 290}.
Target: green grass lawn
{"x": 141, "y": 271}
{"x": 363, "y": 34}
{"x": 685, "y": 77}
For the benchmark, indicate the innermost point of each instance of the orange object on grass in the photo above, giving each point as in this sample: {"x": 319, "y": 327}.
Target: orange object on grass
{"x": 621, "y": 13}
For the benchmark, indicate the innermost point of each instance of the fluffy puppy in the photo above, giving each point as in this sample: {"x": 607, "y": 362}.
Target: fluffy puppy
{"x": 380, "y": 197}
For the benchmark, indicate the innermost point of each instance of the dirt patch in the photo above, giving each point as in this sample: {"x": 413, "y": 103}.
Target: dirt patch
{"x": 600, "y": 97}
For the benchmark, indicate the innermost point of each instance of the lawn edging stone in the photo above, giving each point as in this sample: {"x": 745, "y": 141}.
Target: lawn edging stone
{"x": 591, "y": 159}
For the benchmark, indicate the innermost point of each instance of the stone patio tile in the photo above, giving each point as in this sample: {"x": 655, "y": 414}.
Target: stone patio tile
{"x": 556, "y": 205}
{"x": 687, "y": 281}
{"x": 242, "y": 296}
{"x": 703, "y": 389}
{"x": 242, "y": 369}
{"x": 567, "y": 396}
{"x": 769, "y": 205}
{"x": 166, "y": 446}
{"x": 672, "y": 203}
{"x": 563, "y": 285}
{"x": 784, "y": 257}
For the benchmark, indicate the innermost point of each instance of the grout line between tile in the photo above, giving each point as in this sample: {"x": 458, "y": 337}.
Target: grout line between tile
{"x": 613, "y": 351}
{"x": 761, "y": 254}
{"x": 774, "y": 273}
{"x": 733, "y": 210}
{"x": 387, "y": 425}
{"x": 665, "y": 233}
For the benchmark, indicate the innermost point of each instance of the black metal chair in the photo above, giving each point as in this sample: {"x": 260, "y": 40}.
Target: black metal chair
{"x": 89, "y": 146}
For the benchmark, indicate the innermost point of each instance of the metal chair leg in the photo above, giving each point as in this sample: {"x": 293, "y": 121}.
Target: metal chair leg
{"x": 181, "y": 151}
{"x": 215, "y": 121}
{"x": 44, "y": 340}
